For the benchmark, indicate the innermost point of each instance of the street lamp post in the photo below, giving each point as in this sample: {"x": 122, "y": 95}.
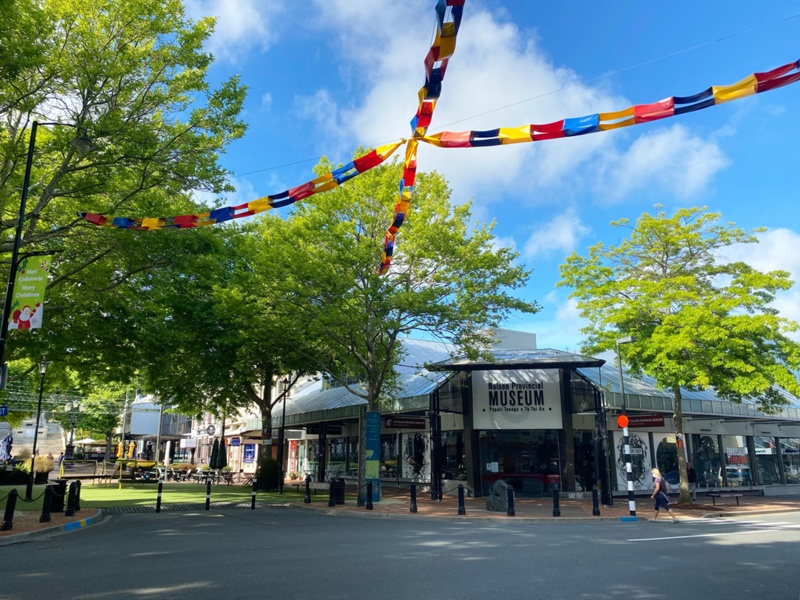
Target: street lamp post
{"x": 82, "y": 144}
{"x": 43, "y": 364}
{"x": 622, "y": 421}
{"x": 73, "y": 410}
{"x": 281, "y": 435}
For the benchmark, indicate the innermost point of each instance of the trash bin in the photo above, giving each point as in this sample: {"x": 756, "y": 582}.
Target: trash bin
{"x": 338, "y": 490}
{"x": 59, "y": 495}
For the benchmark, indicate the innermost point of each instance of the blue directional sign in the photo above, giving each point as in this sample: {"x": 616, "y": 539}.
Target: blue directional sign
{"x": 3, "y": 411}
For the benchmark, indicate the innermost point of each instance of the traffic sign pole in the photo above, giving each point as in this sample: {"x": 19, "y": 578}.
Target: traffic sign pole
{"x": 622, "y": 421}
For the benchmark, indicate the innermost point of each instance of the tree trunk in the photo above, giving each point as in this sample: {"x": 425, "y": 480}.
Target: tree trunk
{"x": 109, "y": 436}
{"x": 362, "y": 456}
{"x": 680, "y": 445}
{"x": 266, "y": 428}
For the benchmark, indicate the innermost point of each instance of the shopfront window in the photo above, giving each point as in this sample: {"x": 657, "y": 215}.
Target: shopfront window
{"x": 416, "y": 456}
{"x": 389, "y": 455}
{"x": 352, "y": 456}
{"x": 453, "y": 446}
{"x": 526, "y": 460}
{"x": 337, "y": 457}
{"x": 737, "y": 461}
{"x": 790, "y": 450}
{"x": 706, "y": 460}
{"x": 312, "y": 458}
{"x": 667, "y": 457}
{"x": 767, "y": 458}
{"x": 583, "y": 442}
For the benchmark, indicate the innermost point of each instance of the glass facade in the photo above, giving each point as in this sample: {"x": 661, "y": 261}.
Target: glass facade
{"x": 390, "y": 455}
{"x": 528, "y": 460}
{"x": 790, "y": 453}
{"x": 337, "y": 457}
{"x": 416, "y": 457}
{"x": 767, "y": 459}
{"x": 583, "y": 445}
{"x": 666, "y": 454}
{"x": 453, "y": 452}
{"x": 737, "y": 462}
{"x": 706, "y": 460}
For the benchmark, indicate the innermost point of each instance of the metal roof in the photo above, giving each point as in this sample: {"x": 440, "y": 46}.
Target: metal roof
{"x": 414, "y": 384}
{"x": 544, "y": 358}
{"x": 642, "y": 393}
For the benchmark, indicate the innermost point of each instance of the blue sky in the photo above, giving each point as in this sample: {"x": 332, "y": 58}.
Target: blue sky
{"x": 326, "y": 76}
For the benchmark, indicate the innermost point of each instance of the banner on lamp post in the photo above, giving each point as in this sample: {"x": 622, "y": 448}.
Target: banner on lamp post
{"x": 28, "y": 300}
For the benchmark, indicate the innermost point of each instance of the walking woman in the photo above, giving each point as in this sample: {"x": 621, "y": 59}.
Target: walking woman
{"x": 660, "y": 491}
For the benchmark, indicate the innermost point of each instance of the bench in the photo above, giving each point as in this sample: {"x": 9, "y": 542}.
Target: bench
{"x": 715, "y": 495}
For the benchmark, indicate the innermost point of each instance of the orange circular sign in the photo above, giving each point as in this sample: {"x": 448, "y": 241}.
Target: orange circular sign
{"x": 622, "y": 421}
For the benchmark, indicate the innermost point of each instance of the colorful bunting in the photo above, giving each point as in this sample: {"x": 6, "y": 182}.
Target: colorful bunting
{"x": 448, "y": 21}
{"x": 220, "y": 215}
{"x": 633, "y": 115}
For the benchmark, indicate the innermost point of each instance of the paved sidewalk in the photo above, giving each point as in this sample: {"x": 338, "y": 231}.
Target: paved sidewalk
{"x": 396, "y": 502}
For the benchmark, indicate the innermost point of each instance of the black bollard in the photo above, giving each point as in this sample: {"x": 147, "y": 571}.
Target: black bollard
{"x": 369, "y": 495}
{"x": 556, "y": 506}
{"x": 208, "y": 494}
{"x": 70, "y": 512}
{"x": 511, "y": 512}
{"x": 595, "y": 503}
{"x": 307, "y": 499}
{"x": 158, "y": 495}
{"x": 413, "y": 497}
{"x": 331, "y": 493}
{"x": 46, "y": 504}
{"x": 253, "y": 496}
{"x": 462, "y": 510}
{"x": 11, "y": 505}
{"x": 78, "y": 496}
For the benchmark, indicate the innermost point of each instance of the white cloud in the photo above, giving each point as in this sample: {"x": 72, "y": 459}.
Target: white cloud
{"x": 266, "y": 101}
{"x": 500, "y": 77}
{"x": 677, "y": 162}
{"x": 776, "y": 250}
{"x": 242, "y": 25}
{"x": 559, "y": 324}
{"x": 559, "y": 235}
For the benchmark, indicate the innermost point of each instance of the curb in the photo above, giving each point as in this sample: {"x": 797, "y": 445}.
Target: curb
{"x": 764, "y": 511}
{"x": 55, "y": 530}
{"x": 332, "y": 512}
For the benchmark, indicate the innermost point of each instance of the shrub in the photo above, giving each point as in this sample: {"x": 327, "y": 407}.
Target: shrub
{"x": 41, "y": 464}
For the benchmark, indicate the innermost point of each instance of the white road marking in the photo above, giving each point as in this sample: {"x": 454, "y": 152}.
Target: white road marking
{"x": 701, "y": 535}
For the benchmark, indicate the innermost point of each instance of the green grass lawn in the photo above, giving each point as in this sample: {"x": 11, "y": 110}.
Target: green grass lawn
{"x": 131, "y": 494}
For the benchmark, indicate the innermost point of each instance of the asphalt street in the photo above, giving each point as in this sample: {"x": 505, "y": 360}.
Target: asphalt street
{"x": 287, "y": 554}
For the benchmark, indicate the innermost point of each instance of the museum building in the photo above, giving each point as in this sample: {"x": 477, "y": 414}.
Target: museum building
{"x": 536, "y": 418}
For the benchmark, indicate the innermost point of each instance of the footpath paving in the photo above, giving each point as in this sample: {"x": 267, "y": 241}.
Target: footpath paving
{"x": 395, "y": 503}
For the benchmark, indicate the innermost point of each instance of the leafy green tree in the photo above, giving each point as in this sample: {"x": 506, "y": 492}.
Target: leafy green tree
{"x": 96, "y": 415}
{"x": 698, "y": 320}
{"x": 220, "y": 340}
{"x": 134, "y": 75}
{"x": 23, "y": 36}
{"x": 449, "y": 278}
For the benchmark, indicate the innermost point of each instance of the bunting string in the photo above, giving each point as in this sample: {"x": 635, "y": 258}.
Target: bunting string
{"x": 448, "y": 21}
